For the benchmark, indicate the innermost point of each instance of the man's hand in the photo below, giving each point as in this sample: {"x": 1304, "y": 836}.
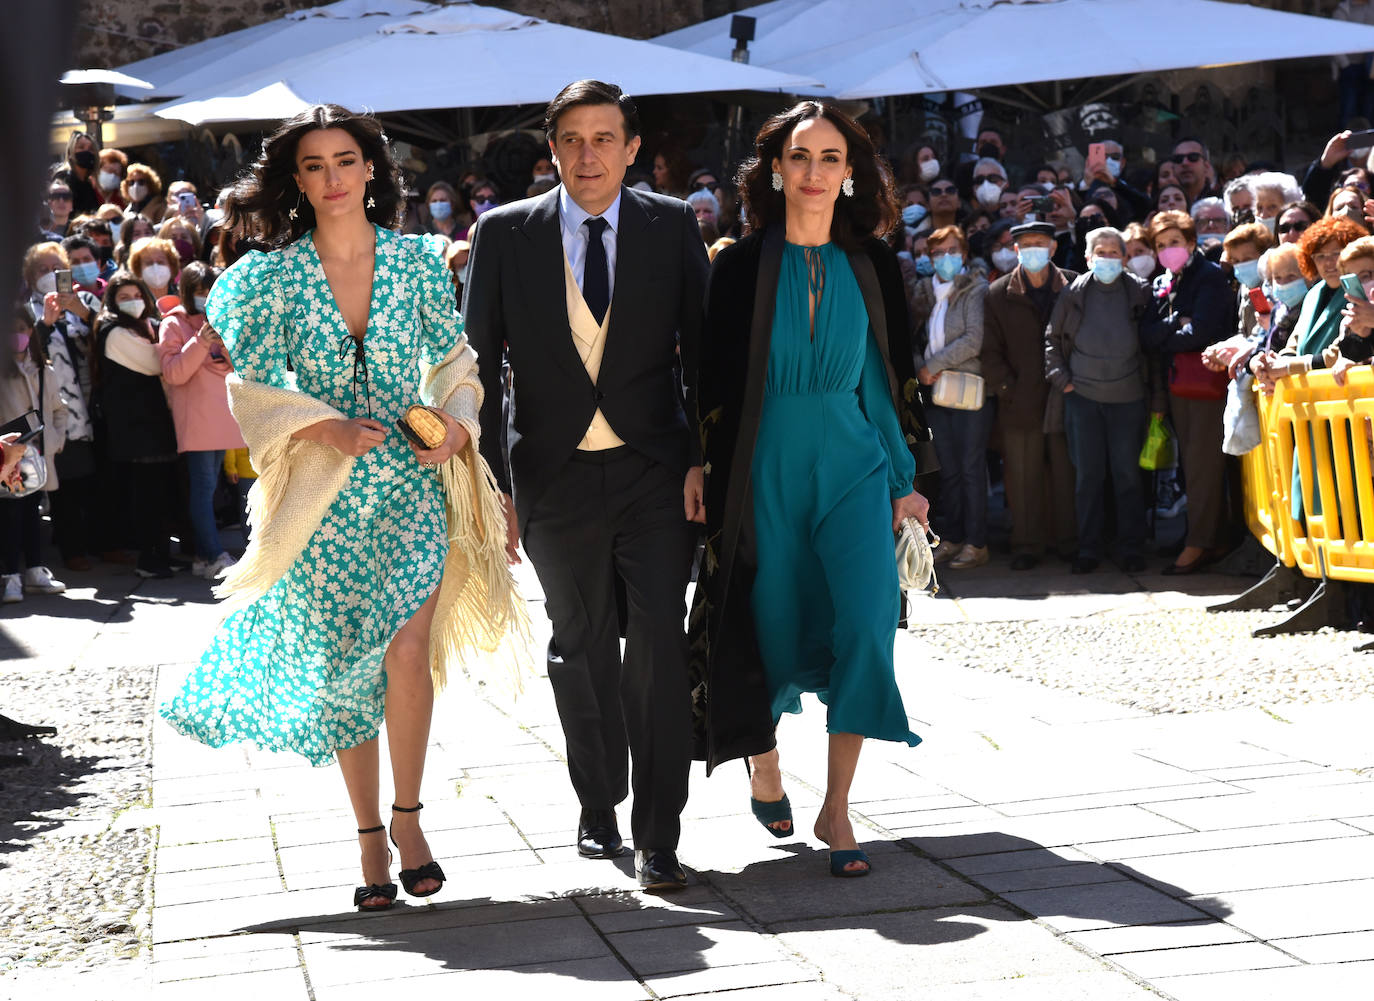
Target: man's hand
{"x": 1336, "y": 149}
{"x": 512, "y": 530}
{"x": 924, "y": 377}
{"x": 694, "y": 495}
{"x": 913, "y": 505}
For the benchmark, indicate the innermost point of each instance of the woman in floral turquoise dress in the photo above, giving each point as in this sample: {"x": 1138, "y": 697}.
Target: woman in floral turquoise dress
{"x": 337, "y": 323}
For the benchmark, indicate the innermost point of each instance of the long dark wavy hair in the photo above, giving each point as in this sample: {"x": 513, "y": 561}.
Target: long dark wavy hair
{"x": 871, "y": 211}
{"x": 262, "y": 199}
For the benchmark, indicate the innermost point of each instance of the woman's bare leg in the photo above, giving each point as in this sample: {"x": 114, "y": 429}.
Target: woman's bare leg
{"x": 359, "y": 768}
{"x": 765, "y": 783}
{"x": 833, "y": 825}
{"x": 409, "y": 709}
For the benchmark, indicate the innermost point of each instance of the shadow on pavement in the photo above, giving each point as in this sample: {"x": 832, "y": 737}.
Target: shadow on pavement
{"x": 39, "y": 783}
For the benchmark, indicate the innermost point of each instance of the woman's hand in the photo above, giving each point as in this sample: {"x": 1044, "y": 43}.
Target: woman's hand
{"x": 1359, "y": 315}
{"x": 356, "y": 437}
{"x": 924, "y": 377}
{"x": 913, "y": 505}
{"x": 1339, "y": 369}
{"x": 454, "y": 442}
{"x": 694, "y": 495}
{"x": 52, "y": 308}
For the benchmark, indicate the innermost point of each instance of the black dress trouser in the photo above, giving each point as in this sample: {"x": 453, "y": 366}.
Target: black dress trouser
{"x": 606, "y": 515}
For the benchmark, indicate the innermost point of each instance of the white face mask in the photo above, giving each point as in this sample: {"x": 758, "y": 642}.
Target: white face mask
{"x": 540, "y": 178}
{"x": 930, "y": 170}
{"x": 1142, "y": 265}
{"x": 1004, "y": 259}
{"x": 987, "y": 193}
{"x": 46, "y": 283}
{"x": 133, "y": 307}
{"x": 109, "y": 180}
{"x": 157, "y": 275}
{"x": 138, "y": 191}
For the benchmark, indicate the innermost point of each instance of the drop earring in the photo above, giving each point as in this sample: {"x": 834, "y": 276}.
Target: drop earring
{"x": 371, "y": 202}
{"x": 777, "y": 181}
{"x": 293, "y": 214}
{"x": 847, "y": 186}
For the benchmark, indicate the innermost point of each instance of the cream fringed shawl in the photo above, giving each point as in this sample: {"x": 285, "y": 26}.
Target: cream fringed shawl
{"x": 480, "y": 613}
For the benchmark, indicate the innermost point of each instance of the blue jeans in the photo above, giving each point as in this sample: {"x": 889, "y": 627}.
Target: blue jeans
{"x": 1106, "y": 437}
{"x": 203, "y": 470}
{"x": 961, "y": 444}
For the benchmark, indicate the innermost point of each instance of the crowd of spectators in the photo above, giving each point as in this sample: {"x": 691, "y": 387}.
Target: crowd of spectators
{"x": 1090, "y": 300}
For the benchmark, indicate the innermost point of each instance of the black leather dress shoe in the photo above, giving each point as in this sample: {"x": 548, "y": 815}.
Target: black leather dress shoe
{"x": 658, "y": 870}
{"x": 598, "y": 836}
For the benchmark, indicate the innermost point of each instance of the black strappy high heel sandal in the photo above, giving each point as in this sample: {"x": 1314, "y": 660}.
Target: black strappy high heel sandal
{"x": 430, "y": 870}
{"x": 386, "y": 890}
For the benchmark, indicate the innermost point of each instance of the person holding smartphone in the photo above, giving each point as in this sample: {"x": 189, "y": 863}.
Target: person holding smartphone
{"x": 29, "y": 386}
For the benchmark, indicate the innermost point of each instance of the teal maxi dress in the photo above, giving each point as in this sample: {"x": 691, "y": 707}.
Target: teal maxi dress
{"x": 829, "y": 460}
{"x": 301, "y": 669}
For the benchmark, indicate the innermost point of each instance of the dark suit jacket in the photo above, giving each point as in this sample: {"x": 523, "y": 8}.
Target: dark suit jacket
{"x": 515, "y": 304}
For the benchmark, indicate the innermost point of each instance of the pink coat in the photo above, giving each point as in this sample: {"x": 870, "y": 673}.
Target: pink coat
{"x": 195, "y": 387}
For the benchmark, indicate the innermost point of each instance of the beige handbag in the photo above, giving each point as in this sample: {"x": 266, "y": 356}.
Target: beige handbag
{"x": 915, "y": 560}
{"x": 958, "y": 390}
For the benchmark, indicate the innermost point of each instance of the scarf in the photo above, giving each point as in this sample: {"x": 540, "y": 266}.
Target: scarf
{"x": 943, "y": 290}
{"x": 480, "y": 614}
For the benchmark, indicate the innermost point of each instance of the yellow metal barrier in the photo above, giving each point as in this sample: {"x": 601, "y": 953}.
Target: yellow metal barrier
{"x": 1328, "y": 430}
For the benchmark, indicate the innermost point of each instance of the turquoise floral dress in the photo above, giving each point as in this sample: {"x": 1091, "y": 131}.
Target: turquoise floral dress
{"x": 301, "y": 669}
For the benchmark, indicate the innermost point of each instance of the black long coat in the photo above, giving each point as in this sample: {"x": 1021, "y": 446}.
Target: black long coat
{"x": 731, "y": 710}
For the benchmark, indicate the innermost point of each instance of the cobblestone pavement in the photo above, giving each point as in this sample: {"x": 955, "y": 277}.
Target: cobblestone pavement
{"x": 1120, "y": 796}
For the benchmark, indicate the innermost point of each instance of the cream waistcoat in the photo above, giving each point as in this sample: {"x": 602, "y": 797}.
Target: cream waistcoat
{"x": 590, "y": 341}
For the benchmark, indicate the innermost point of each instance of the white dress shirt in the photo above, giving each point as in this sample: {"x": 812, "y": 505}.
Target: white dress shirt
{"x": 571, "y": 216}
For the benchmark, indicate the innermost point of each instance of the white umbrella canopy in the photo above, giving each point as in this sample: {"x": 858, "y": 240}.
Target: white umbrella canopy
{"x": 272, "y": 102}
{"x": 272, "y": 43}
{"x": 468, "y": 55}
{"x": 875, "y": 48}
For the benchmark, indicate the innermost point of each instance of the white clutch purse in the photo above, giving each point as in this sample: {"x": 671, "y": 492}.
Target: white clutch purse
{"x": 915, "y": 561}
{"x": 958, "y": 390}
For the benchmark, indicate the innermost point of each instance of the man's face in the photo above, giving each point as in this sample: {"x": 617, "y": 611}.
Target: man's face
{"x": 991, "y": 137}
{"x": 592, "y": 153}
{"x": 1190, "y": 164}
{"x": 1211, "y": 222}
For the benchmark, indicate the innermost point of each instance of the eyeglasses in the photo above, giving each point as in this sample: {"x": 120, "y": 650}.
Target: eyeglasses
{"x": 1293, "y": 227}
{"x": 1357, "y": 185}
{"x": 1330, "y": 258}
{"x": 1190, "y": 157}
{"x": 994, "y": 178}
{"x": 59, "y": 196}
{"x": 943, "y": 189}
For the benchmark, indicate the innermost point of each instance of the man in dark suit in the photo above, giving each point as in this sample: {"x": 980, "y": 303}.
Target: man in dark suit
{"x": 593, "y": 292}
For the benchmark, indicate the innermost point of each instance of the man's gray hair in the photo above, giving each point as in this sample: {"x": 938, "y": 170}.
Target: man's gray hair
{"x": 704, "y": 197}
{"x": 1203, "y": 204}
{"x": 1241, "y": 183}
{"x": 1096, "y": 236}
{"x": 987, "y": 162}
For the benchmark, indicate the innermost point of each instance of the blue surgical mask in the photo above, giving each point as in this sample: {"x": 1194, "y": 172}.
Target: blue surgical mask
{"x": 200, "y": 301}
{"x": 1106, "y": 269}
{"x": 1291, "y": 294}
{"x": 1208, "y": 240}
{"x": 1034, "y": 259}
{"x": 1114, "y": 166}
{"x": 441, "y": 210}
{"x": 923, "y": 266}
{"x": 913, "y": 214}
{"x": 87, "y": 273}
{"x": 949, "y": 265}
{"x": 1247, "y": 273}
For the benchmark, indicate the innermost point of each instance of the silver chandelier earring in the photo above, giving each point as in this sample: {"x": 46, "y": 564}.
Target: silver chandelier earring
{"x": 371, "y": 202}
{"x": 293, "y": 213}
{"x": 777, "y": 181}
{"x": 847, "y": 186}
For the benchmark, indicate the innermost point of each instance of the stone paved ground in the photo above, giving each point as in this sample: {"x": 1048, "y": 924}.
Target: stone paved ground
{"x": 1053, "y": 838}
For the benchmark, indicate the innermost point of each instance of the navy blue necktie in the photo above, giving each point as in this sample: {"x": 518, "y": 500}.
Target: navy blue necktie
{"x": 596, "y": 279}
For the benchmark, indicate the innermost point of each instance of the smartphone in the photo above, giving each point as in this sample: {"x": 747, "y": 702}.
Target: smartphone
{"x": 1097, "y": 152}
{"x": 64, "y": 281}
{"x": 1260, "y": 301}
{"x": 186, "y": 199}
{"x": 1043, "y": 205}
{"x": 1360, "y": 140}
{"x": 1353, "y": 288}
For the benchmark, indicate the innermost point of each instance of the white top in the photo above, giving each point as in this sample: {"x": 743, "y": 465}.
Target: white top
{"x": 571, "y": 216}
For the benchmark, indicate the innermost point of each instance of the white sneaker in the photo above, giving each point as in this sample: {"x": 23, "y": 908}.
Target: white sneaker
{"x": 14, "y": 590}
{"x": 198, "y": 566}
{"x": 945, "y": 552}
{"x": 970, "y": 556}
{"x": 39, "y": 580}
{"x": 222, "y": 563}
